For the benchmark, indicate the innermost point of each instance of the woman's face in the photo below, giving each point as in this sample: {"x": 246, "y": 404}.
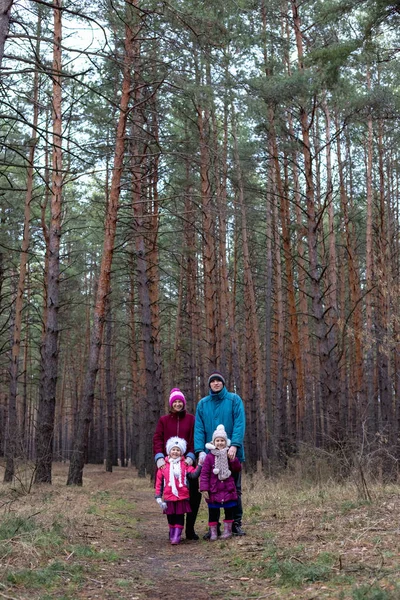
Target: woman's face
{"x": 220, "y": 443}
{"x": 177, "y": 406}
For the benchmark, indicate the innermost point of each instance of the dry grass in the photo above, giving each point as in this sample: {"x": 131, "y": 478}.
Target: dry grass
{"x": 305, "y": 541}
{"x": 326, "y": 539}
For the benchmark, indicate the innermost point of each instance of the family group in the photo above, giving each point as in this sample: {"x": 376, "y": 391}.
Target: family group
{"x": 199, "y": 456}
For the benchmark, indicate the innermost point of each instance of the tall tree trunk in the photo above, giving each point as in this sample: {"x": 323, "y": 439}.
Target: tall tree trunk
{"x": 305, "y": 408}
{"x": 109, "y": 389}
{"x": 86, "y": 409}
{"x": 137, "y": 392}
{"x": 208, "y": 238}
{"x": 281, "y": 417}
{"x": 191, "y": 286}
{"x": 269, "y": 294}
{"x": 327, "y": 376}
{"x": 369, "y": 366}
{"x": 153, "y": 258}
{"x": 147, "y": 291}
{"x": 47, "y": 398}
{"x": 356, "y": 403}
{"x": 14, "y": 437}
{"x": 255, "y": 390}
{"x": 383, "y": 301}
{"x": 5, "y": 10}
{"x": 287, "y": 253}
{"x": 330, "y": 297}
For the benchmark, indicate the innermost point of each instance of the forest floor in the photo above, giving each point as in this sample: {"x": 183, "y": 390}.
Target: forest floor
{"x": 109, "y": 540}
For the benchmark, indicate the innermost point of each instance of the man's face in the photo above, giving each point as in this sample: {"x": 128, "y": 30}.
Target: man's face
{"x": 216, "y": 385}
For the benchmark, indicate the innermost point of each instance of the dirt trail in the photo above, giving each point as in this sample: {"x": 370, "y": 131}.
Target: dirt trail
{"x": 181, "y": 570}
{"x": 149, "y": 567}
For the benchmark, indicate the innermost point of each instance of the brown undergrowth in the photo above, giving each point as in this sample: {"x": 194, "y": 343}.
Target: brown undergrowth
{"x": 108, "y": 539}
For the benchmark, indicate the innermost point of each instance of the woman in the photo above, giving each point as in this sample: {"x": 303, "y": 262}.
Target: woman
{"x": 179, "y": 423}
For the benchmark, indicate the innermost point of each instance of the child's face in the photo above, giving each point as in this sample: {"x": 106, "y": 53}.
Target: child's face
{"x": 220, "y": 443}
{"x": 175, "y": 452}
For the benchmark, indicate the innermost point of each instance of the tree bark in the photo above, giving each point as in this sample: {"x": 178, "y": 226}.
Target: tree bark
{"x": 208, "y": 237}
{"x": 47, "y": 397}
{"x": 5, "y": 10}
{"x": 255, "y": 386}
{"x": 75, "y": 474}
{"x": 327, "y": 376}
{"x": 369, "y": 360}
{"x": 15, "y": 438}
{"x": 109, "y": 388}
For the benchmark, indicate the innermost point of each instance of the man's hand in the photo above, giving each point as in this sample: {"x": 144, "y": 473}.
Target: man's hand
{"x": 202, "y": 456}
{"x": 232, "y": 452}
{"x": 160, "y": 463}
{"x": 205, "y": 495}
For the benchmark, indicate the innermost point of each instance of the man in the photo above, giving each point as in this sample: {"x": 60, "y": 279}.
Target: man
{"x": 225, "y": 408}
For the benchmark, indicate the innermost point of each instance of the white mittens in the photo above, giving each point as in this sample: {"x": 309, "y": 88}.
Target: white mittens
{"x": 160, "y": 463}
{"x": 162, "y": 505}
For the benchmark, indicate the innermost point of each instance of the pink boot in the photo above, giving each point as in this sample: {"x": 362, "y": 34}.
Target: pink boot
{"x": 227, "y": 530}
{"x": 176, "y": 535}
{"x": 213, "y": 532}
{"x": 171, "y": 532}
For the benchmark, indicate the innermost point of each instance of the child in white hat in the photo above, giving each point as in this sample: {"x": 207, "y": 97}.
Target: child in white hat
{"x": 217, "y": 484}
{"x": 171, "y": 484}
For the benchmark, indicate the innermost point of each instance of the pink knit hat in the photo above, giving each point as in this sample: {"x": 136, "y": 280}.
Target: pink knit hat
{"x": 176, "y": 394}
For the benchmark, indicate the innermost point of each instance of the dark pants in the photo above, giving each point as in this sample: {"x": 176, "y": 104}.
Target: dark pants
{"x": 214, "y": 513}
{"x": 176, "y": 519}
{"x": 238, "y": 509}
{"x": 194, "y": 500}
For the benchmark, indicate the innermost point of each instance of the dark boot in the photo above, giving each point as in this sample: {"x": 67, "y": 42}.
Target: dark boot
{"x": 189, "y": 530}
{"x": 191, "y": 534}
{"x": 176, "y": 537}
{"x": 213, "y": 532}
{"x": 227, "y": 530}
{"x": 237, "y": 529}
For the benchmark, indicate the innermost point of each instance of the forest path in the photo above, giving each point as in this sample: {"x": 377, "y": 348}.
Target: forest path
{"x": 148, "y": 567}
{"x": 108, "y": 540}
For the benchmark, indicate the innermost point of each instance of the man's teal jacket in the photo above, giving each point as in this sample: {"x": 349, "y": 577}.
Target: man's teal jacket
{"x": 223, "y": 408}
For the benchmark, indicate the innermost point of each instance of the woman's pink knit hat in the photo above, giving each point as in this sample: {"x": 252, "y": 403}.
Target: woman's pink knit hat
{"x": 176, "y": 394}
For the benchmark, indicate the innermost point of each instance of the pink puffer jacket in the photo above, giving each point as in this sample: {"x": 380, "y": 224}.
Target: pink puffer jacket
{"x": 163, "y": 485}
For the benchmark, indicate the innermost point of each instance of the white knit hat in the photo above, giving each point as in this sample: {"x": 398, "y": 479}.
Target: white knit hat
{"x": 220, "y": 432}
{"x": 176, "y": 441}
